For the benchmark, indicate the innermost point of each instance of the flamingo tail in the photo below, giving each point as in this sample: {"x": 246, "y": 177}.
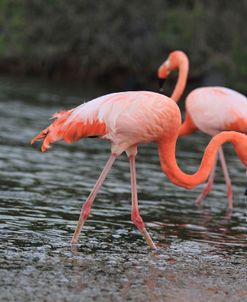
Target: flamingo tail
{"x": 62, "y": 128}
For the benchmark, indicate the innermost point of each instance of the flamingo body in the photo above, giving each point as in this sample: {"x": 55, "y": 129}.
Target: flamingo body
{"x": 125, "y": 119}
{"x": 216, "y": 109}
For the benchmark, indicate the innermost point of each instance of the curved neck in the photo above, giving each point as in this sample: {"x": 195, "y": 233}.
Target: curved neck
{"x": 167, "y": 155}
{"x": 183, "y": 69}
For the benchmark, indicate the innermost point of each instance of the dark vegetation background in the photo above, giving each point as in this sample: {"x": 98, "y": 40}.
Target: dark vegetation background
{"x": 121, "y": 43}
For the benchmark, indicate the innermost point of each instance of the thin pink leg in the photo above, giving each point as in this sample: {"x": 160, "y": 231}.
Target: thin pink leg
{"x": 85, "y": 210}
{"x": 227, "y": 178}
{"x": 135, "y": 215}
{"x": 208, "y": 186}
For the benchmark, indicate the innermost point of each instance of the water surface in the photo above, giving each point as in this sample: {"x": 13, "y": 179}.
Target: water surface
{"x": 202, "y": 251}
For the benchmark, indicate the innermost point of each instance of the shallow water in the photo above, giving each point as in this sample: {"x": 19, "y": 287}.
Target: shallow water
{"x": 202, "y": 251}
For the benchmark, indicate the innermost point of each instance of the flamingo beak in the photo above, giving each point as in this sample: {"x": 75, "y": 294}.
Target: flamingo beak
{"x": 161, "y": 83}
{"x": 245, "y": 193}
{"x": 163, "y": 73}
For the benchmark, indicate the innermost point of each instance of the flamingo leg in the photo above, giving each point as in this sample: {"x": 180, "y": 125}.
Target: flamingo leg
{"x": 85, "y": 210}
{"x": 135, "y": 215}
{"x": 208, "y": 186}
{"x": 227, "y": 178}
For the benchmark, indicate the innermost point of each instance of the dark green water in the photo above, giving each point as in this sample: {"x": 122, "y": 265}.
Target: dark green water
{"x": 202, "y": 252}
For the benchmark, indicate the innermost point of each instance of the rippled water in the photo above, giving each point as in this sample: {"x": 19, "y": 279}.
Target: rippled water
{"x": 202, "y": 251}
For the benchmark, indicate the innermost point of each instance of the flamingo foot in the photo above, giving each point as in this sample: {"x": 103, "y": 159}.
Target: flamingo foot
{"x": 77, "y": 232}
{"x": 148, "y": 239}
{"x": 85, "y": 211}
{"x": 137, "y": 220}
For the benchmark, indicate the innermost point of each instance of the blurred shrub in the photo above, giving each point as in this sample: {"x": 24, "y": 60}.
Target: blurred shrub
{"x": 111, "y": 40}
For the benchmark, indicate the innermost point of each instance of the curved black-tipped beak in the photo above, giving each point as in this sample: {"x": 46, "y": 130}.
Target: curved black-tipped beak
{"x": 161, "y": 83}
{"x": 245, "y": 193}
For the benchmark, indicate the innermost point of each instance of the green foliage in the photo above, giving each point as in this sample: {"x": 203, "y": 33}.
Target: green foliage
{"x": 238, "y": 74}
{"x": 103, "y": 38}
{"x": 13, "y": 25}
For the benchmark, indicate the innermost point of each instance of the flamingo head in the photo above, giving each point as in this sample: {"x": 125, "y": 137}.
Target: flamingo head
{"x": 171, "y": 63}
{"x": 163, "y": 73}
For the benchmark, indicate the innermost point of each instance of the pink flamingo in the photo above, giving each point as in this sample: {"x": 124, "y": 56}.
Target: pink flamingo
{"x": 209, "y": 109}
{"x": 127, "y": 119}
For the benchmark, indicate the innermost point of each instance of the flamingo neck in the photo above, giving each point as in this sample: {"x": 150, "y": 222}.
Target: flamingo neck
{"x": 167, "y": 155}
{"x": 183, "y": 69}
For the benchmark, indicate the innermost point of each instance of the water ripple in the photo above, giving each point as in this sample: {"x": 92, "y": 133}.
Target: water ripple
{"x": 41, "y": 196}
